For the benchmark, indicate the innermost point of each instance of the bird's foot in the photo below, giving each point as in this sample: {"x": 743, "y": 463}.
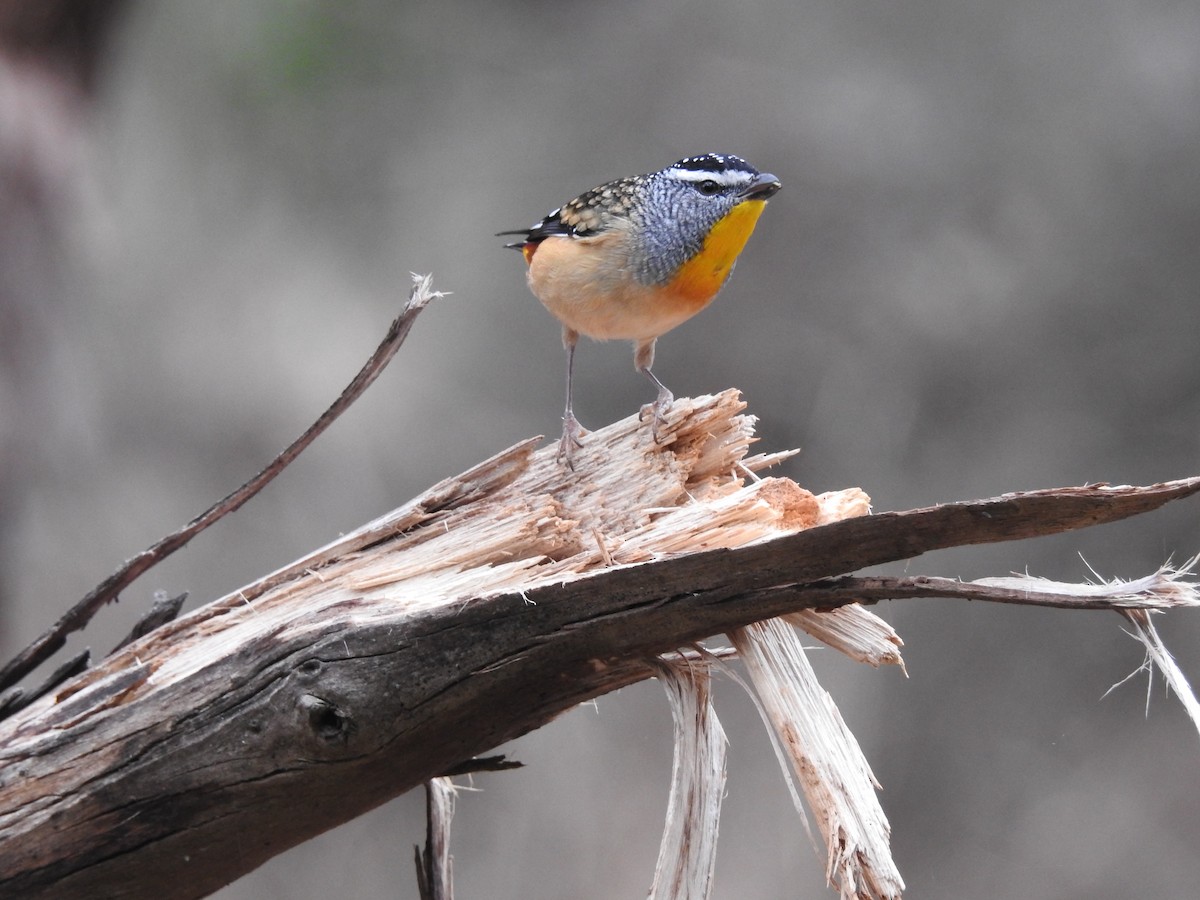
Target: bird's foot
{"x": 570, "y": 440}
{"x": 658, "y": 413}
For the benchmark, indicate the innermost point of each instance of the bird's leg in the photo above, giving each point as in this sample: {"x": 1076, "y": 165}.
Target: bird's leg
{"x": 571, "y": 427}
{"x": 643, "y": 359}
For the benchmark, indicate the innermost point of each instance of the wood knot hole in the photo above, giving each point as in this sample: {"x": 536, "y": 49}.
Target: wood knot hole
{"x": 310, "y": 668}
{"x": 327, "y": 721}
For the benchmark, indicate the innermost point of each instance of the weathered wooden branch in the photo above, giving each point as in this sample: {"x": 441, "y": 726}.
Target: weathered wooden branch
{"x": 475, "y": 613}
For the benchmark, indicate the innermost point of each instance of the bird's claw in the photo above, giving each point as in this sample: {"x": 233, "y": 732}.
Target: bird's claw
{"x": 570, "y": 440}
{"x": 658, "y": 413}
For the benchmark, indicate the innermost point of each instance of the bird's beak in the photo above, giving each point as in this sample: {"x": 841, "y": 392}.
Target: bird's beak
{"x": 761, "y": 188}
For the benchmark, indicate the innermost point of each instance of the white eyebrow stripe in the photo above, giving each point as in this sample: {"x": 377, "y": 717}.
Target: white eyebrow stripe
{"x": 727, "y": 178}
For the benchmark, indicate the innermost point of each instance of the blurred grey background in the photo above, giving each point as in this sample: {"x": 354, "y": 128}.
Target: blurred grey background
{"x": 982, "y": 275}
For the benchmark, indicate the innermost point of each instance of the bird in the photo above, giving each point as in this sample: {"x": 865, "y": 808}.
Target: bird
{"x": 635, "y": 257}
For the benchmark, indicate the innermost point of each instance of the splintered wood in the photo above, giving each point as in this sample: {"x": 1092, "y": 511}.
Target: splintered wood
{"x": 521, "y": 520}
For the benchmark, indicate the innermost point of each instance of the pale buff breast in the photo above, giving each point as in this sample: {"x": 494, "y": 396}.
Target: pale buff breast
{"x": 586, "y": 284}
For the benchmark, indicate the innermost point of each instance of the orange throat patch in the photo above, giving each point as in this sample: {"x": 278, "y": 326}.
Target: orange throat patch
{"x": 701, "y": 277}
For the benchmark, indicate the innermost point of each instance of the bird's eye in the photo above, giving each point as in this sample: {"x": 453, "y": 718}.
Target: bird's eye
{"x": 708, "y": 188}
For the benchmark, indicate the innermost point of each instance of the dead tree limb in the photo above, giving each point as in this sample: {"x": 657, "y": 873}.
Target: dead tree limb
{"x": 476, "y": 613}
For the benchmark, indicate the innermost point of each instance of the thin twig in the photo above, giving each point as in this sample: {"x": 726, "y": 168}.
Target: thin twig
{"x": 498, "y": 763}
{"x": 18, "y": 699}
{"x": 1165, "y": 589}
{"x": 435, "y": 877}
{"x": 83, "y": 611}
